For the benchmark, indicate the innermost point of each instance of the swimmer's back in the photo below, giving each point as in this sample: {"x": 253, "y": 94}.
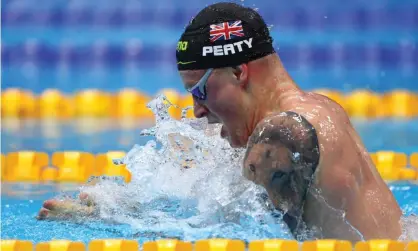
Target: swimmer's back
{"x": 346, "y": 175}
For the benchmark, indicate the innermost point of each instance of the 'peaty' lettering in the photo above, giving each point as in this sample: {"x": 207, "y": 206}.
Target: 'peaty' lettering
{"x": 227, "y": 49}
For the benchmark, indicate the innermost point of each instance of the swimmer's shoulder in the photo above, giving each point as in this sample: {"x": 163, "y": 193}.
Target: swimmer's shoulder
{"x": 320, "y": 110}
{"x": 314, "y": 107}
{"x": 284, "y": 120}
{"x": 326, "y": 102}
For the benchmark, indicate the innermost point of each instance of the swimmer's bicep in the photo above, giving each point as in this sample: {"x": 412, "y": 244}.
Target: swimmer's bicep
{"x": 285, "y": 151}
{"x": 292, "y": 138}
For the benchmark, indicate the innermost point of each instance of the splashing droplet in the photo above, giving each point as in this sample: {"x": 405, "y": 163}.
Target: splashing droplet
{"x": 187, "y": 182}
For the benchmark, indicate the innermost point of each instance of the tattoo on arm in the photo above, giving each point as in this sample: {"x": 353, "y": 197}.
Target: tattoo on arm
{"x": 286, "y": 162}
{"x": 292, "y": 131}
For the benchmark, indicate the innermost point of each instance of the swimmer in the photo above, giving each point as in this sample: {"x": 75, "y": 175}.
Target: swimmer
{"x": 301, "y": 146}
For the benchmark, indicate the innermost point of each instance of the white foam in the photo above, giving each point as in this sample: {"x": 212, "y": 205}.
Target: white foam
{"x": 409, "y": 228}
{"x": 213, "y": 187}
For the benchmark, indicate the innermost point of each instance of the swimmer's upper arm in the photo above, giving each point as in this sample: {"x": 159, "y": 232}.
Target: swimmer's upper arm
{"x": 282, "y": 156}
{"x": 289, "y": 133}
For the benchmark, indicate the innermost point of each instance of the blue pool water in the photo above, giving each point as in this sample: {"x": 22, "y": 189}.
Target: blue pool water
{"x": 18, "y": 219}
{"x": 73, "y": 45}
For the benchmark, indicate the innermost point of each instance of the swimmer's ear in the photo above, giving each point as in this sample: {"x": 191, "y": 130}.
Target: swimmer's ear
{"x": 241, "y": 74}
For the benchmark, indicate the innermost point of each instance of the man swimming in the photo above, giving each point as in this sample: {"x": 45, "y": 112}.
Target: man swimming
{"x": 301, "y": 146}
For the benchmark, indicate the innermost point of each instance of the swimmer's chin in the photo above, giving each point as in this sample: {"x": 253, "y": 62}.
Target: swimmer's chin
{"x": 224, "y": 132}
{"x": 234, "y": 143}
{"x": 225, "y": 135}
{"x": 231, "y": 142}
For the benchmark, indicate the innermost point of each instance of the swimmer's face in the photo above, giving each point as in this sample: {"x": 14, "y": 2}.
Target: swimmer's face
{"x": 270, "y": 166}
{"x": 224, "y": 89}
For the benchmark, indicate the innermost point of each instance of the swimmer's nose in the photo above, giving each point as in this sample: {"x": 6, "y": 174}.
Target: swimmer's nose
{"x": 200, "y": 110}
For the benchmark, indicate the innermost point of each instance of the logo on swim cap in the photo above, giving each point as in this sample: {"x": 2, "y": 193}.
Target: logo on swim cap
{"x": 182, "y": 45}
{"x": 226, "y": 31}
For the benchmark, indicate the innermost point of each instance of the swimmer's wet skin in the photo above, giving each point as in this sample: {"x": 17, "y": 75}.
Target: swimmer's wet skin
{"x": 300, "y": 146}
{"x": 67, "y": 208}
{"x": 282, "y": 155}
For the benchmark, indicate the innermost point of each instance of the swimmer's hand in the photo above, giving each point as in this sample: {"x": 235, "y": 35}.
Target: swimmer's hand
{"x": 67, "y": 209}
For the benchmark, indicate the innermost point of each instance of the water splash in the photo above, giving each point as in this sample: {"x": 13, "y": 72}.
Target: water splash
{"x": 409, "y": 228}
{"x": 187, "y": 183}
{"x": 409, "y": 221}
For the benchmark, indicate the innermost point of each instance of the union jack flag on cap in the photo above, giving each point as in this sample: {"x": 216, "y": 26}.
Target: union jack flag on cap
{"x": 226, "y": 31}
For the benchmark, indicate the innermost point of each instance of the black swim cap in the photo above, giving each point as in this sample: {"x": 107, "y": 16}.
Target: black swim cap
{"x": 223, "y": 35}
